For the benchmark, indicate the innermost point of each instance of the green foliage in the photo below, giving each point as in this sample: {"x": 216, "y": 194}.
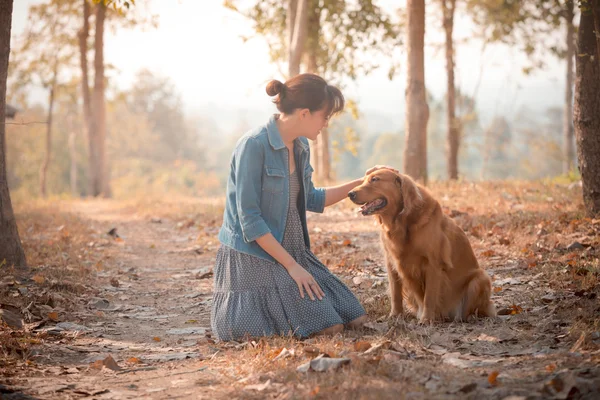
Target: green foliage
{"x": 348, "y": 34}
{"x": 528, "y": 24}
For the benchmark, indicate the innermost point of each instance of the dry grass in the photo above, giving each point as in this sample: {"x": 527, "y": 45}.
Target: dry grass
{"x": 519, "y": 230}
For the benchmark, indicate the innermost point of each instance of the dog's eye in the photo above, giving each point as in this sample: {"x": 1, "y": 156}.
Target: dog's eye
{"x": 374, "y": 179}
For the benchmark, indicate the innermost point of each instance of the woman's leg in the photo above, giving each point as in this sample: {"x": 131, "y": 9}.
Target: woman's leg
{"x": 332, "y": 330}
{"x": 357, "y": 323}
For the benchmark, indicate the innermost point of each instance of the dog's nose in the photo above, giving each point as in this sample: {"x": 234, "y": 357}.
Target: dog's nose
{"x": 352, "y": 195}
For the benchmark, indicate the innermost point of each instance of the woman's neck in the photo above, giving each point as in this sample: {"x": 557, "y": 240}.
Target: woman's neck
{"x": 287, "y": 130}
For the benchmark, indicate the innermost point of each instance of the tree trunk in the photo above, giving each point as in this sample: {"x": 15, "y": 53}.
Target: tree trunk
{"x": 85, "y": 92}
{"x": 73, "y": 171}
{"x": 568, "y": 150}
{"x": 325, "y": 167}
{"x": 453, "y": 134}
{"x": 298, "y": 39}
{"x": 11, "y": 251}
{"x": 46, "y": 162}
{"x": 290, "y": 23}
{"x": 417, "y": 110}
{"x": 99, "y": 181}
{"x": 312, "y": 42}
{"x": 587, "y": 103}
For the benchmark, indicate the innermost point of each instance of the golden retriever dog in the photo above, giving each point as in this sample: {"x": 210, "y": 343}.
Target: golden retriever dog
{"x": 431, "y": 266}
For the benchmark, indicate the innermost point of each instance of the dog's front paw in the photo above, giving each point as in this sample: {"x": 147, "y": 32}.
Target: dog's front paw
{"x": 395, "y": 313}
{"x": 427, "y": 318}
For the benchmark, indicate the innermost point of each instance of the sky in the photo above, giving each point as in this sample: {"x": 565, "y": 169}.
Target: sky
{"x": 198, "y": 45}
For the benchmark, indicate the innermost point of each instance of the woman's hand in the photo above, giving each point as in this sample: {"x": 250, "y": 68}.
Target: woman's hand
{"x": 306, "y": 282}
{"x": 375, "y": 168}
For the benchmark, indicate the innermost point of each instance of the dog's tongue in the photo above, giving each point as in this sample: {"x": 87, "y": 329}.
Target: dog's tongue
{"x": 367, "y": 206}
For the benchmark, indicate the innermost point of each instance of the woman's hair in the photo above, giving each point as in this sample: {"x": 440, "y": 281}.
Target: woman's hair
{"x": 306, "y": 91}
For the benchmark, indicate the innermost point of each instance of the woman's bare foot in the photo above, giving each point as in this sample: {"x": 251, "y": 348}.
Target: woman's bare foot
{"x": 357, "y": 323}
{"x": 332, "y": 330}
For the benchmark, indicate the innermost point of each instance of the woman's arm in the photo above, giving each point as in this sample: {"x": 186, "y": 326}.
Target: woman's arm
{"x": 337, "y": 193}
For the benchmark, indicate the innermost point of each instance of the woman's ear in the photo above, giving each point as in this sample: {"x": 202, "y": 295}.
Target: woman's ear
{"x": 305, "y": 112}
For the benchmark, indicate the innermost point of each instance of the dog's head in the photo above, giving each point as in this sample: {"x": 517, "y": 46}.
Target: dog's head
{"x": 385, "y": 192}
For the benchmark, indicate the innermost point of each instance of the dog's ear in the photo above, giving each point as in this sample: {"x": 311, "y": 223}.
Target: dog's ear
{"x": 398, "y": 181}
{"x": 411, "y": 195}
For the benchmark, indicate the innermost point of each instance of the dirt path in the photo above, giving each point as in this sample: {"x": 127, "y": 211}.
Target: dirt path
{"x": 151, "y": 315}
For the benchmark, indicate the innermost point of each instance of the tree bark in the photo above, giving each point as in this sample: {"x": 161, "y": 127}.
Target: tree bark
{"x": 48, "y": 156}
{"x": 73, "y": 170}
{"x": 290, "y": 23}
{"x": 88, "y": 125}
{"x": 325, "y": 167}
{"x": 568, "y": 141}
{"x": 11, "y": 250}
{"x": 298, "y": 39}
{"x": 586, "y": 115}
{"x": 99, "y": 180}
{"x": 453, "y": 133}
{"x": 417, "y": 110}
{"x": 312, "y": 42}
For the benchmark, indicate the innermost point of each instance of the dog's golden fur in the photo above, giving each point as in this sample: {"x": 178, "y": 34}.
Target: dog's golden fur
{"x": 431, "y": 266}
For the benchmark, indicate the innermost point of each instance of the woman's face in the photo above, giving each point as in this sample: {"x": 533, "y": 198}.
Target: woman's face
{"x": 313, "y": 123}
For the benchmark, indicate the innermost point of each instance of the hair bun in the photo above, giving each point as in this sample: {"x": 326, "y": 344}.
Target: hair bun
{"x": 275, "y": 87}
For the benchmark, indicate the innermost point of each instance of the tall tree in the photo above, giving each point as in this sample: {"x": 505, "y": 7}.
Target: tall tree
{"x": 83, "y": 36}
{"x": 417, "y": 110}
{"x": 11, "y": 251}
{"x": 298, "y": 23}
{"x": 99, "y": 173}
{"x": 99, "y": 184}
{"x": 587, "y": 103}
{"x": 453, "y": 133}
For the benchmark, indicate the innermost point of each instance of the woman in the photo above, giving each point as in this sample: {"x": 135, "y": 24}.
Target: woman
{"x": 266, "y": 279}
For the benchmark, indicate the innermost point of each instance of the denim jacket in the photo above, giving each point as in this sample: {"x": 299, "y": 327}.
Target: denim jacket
{"x": 258, "y": 191}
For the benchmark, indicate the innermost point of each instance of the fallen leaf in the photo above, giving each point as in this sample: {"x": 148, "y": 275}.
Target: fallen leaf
{"x": 380, "y": 327}
{"x": 284, "y": 353}
{"x": 39, "y": 279}
{"x": 550, "y": 367}
{"x": 362, "y": 346}
{"x": 347, "y": 242}
{"x": 134, "y": 360}
{"x": 191, "y": 321}
{"x": 493, "y": 378}
{"x": 114, "y": 282}
{"x": 578, "y": 343}
{"x": 53, "y": 316}
{"x": 113, "y": 233}
{"x": 322, "y": 363}
{"x": 12, "y": 317}
{"x": 487, "y": 338}
{"x": 488, "y": 253}
{"x": 497, "y": 289}
{"x": 156, "y": 339}
{"x": 259, "y": 387}
{"x": 311, "y": 350}
{"x": 108, "y": 362}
